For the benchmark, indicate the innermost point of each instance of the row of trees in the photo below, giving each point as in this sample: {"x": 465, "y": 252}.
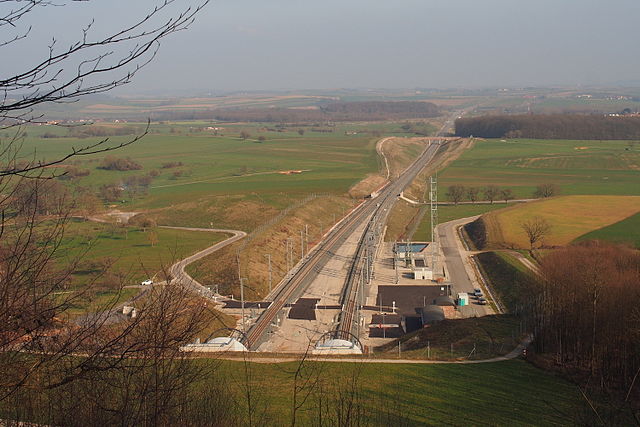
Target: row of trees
{"x": 550, "y": 126}
{"x": 490, "y": 193}
{"x": 378, "y": 108}
{"x": 458, "y": 193}
{"x": 89, "y": 131}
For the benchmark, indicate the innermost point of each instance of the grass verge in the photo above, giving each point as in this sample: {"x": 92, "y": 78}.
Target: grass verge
{"x": 509, "y": 279}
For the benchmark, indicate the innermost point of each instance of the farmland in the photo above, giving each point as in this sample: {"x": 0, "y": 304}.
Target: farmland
{"x": 204, "y": 175}
{"x": 626, "y": 231}
{"x": 577, "y": 167}
{"x": 237, "y": 176}
{"x": 230, "y": 165}
{"x": 569, "y": 216}
{"x": 130, "y": 248}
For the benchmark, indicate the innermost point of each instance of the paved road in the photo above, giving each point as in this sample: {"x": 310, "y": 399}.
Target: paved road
{"x": 459, "y": 269}
{"x": 177, "y": 269}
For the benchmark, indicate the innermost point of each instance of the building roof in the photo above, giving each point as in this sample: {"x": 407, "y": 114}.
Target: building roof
{"x": 431, "y": 314}
{"x": 443, "y": 300}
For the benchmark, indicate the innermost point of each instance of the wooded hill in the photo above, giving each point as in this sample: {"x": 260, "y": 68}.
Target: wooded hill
{"x": 550, "y": 126}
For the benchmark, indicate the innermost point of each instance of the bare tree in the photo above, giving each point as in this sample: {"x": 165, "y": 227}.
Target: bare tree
{"x": 596, "y": 334}
{"x": 536, "y": 229}
{"x": 38, "y": 336}
{"x": 456, "y": 193}
{"x": 546, "y": 190}
{"x": 506, "y": 194}
{"x": 90, "y": 65}
{"x": 472, "y": 194}
{"x": 491, "y": 193}
{"x": 244, "y": 135}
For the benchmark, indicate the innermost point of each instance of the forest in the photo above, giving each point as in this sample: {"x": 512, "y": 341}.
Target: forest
{"x": 551, "y": 126}
{"x": 586, "y": 318}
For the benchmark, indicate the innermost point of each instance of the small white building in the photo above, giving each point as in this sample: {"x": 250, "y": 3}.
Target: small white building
{"x": 422, "y": 274}
{"x": 336, "y": 346}
{"x": 218, "y": 344}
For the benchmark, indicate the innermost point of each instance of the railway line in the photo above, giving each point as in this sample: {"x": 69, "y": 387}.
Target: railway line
{"x": 353, "y": 296}
{"x": 292, "y": 287}
{"x": 373, "y": 212}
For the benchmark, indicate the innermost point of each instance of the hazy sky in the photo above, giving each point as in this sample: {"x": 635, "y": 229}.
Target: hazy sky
{"x": 297, "y": 44}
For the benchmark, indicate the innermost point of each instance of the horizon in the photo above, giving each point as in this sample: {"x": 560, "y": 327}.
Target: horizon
{"x": 282, "y": 45}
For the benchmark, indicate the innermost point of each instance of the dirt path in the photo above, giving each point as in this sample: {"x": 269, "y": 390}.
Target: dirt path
{"x": 525, "y": 261}
{"x": 516, "y": 352}
{"x": 380, "y": 151}
{"x": 224, "y": 178}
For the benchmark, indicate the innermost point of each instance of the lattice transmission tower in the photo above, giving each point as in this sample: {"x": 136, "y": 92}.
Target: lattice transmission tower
{"x": 433, "y": 199}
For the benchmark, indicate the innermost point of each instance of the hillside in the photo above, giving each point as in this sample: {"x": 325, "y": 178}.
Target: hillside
{"x": 568, "y": 216}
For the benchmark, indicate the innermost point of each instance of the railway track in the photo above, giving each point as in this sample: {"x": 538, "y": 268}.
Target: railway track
{"x": 360, "y": 271}
{"x": 355, "y": 282}
{"x": 373, "y": 212}
{"x": 295, "y": 285}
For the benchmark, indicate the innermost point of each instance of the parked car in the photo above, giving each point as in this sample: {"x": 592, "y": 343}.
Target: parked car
{"x": 482, "y": 301}
{"x": 477, "y": 292}
{"x": 147, "y": 282}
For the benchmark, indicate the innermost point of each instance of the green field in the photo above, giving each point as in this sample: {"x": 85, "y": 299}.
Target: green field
{"x": 473, "y": 338}
{"x": 229, "y": 165}
{"x": 504, "y": 393}
{"x": 129, "y": 249}
{"x": 626, "y": 231}
{"x": 577, "y": 167}
{"x": 223, "y": 169}
{"x": 562, "y": 105}
{"x": 508, "y": 277}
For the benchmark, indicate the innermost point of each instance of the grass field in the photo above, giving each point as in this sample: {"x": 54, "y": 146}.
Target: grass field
{"x": 504, "y": 393}
{"x": 625, "y": 231}
{"x": 569, "y": 216}
{"x": 229, "y": 165}
{"x": 508, "y": 277}
{"x": 473, "y": 338}
{"x": 577, "y": 167}
{"x": 562, "y": 105}
{"x": 221, "y": 174}
{"x": 129, "y": 248}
